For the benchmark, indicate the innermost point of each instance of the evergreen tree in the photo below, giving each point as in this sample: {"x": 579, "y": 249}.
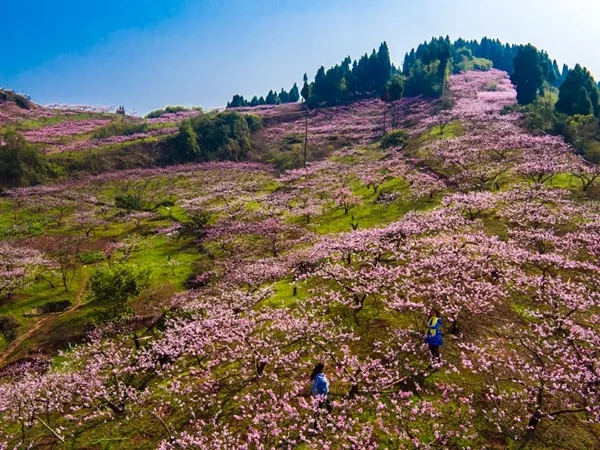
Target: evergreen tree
{"x": 395, "y": 87}
{"x": 409, "y": 61}
{"x": 384, "y": 66}
{"x": 254, "y": 101}
{"x": 584, "y": 104}
{"x": 294, "y": 95}
{"x": 528, "y": 75}
{"x": 306, "y": 90}
{"x": 261, "y": 100}
{"x": 284, "y": 97}
{"x": 271, "y": 98}
{"x": 237, "y": 101}
{"x": 570, "y": 99}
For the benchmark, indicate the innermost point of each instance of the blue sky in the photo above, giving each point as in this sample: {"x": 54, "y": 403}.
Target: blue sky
{"x": 146, "y": 54}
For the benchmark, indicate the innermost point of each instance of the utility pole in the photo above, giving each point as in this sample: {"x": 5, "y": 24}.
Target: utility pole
{"x": 305, "y": 135}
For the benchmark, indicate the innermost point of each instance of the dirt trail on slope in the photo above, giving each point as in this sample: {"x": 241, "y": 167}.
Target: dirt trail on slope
{"x": 14, "y": 345}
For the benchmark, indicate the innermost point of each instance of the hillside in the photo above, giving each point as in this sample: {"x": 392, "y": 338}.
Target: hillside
{"x": 200, "y": 296}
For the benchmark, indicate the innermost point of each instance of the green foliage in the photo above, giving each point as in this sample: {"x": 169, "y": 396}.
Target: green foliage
{"x": 395, "y": 138}
{"x": 424, "y": 80}
{"x": 8, "y": 327}
{"x": 480, "y": 64}
{"x": 581, "y": 131}
{"x": 20, "y": 163}
{"x": 306, "y": 90}
{"x": 114, "y": 314}
{"x": 528, "y": 75}
{"x": 395, "y": 87}
{"x": 349, "y": 80}
{"x": 22, "y": 101}
{"x": 221, "y": 136}
{"x": 273, "y": 98}
{"x": 197, "y": 225}
{"x": 23, "y": 228}
{"x": 289, "y": 159}
{"x": 185, "y": 145}
{"x": 294, "y": 95}
{"x": 119, "y": 128}
{"x": 118, "y": 284}
{"x": 90, "y": 257}
{"x": 428, "y": 68}
{"x": 583, "y": 106}
{"x": 578, "y": 93}
{"x": 132, "y": 202}
{"x": 254, "y": 121}
{"x": 170, "y": 109}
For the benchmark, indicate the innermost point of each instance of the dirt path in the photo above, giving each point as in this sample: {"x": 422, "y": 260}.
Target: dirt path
{"x": 12, "y": 347}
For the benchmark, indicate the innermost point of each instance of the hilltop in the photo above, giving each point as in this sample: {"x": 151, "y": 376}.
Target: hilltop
{"x": 184, "y": 304}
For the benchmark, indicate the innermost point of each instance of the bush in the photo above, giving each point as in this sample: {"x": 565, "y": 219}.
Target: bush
{"x": 119, "y": 128}
{"x": 54, "y": 307}
{"x": 395, "y": 138}
{"x": 223, "y": 136}
{"x": 115, "y": 314}
{"x": 254, "y": 121}
{"x": 90, "y": 257}
{"x": 118, "y": 284}
{"x": 20, "y": 100}
{"x": 165, "y": 203}
{"x": 20, "y": 163}
{"x": 197, "y": 225}
{"x": 8, "y": 327}
{"x": 130, "y": 202}
{"x": 170, "y": 109}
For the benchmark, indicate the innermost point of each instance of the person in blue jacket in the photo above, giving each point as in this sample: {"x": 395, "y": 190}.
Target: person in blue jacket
{"x": 320, "y": 386}
{"x": 433, "y": 336}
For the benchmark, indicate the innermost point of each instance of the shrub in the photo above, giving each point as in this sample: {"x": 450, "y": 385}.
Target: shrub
{"x": 395, "y": 138}
{"x": 223, "y": 136}
{"x": 21, "y": 101}
{"x": 20, "y": 163}
{"x": 118, "y": 284}
{"x": 119, "y": 128}
{"x": 197, "y": 225}
{"x": 130, "y": 202}
{"x": 468, "y": 64}
{"x": 90, "y": 257}
{"x": 53, "y": 307}
{"x": 165, "y": 203}
{"x": 170, "y": 109}
{"x": 254, "y": 121}
{"x": 8, "y": 327}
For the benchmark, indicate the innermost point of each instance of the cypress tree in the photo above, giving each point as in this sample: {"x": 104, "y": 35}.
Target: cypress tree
{"x": 528, "y": 75}
{"x": 584, "y": 104}
{"x": 306, "y": 90}
{"x": 284, "y": 97}
{"x": 294, "y": 95}
{"x": 384, "y": 65}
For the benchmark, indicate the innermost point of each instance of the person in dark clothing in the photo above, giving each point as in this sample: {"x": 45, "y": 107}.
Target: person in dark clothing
{"x": 433, "y": 335}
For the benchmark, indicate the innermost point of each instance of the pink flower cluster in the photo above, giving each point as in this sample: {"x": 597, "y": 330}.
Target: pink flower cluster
{"x": 53, "y": 133}
{"x": 92, "y": 144}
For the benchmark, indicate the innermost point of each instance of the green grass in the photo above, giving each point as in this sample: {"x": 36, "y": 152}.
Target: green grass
{"x": 369, "y": 214}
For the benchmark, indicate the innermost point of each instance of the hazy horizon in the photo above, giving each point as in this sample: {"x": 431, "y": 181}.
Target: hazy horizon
{"x": 147, "y": 54}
